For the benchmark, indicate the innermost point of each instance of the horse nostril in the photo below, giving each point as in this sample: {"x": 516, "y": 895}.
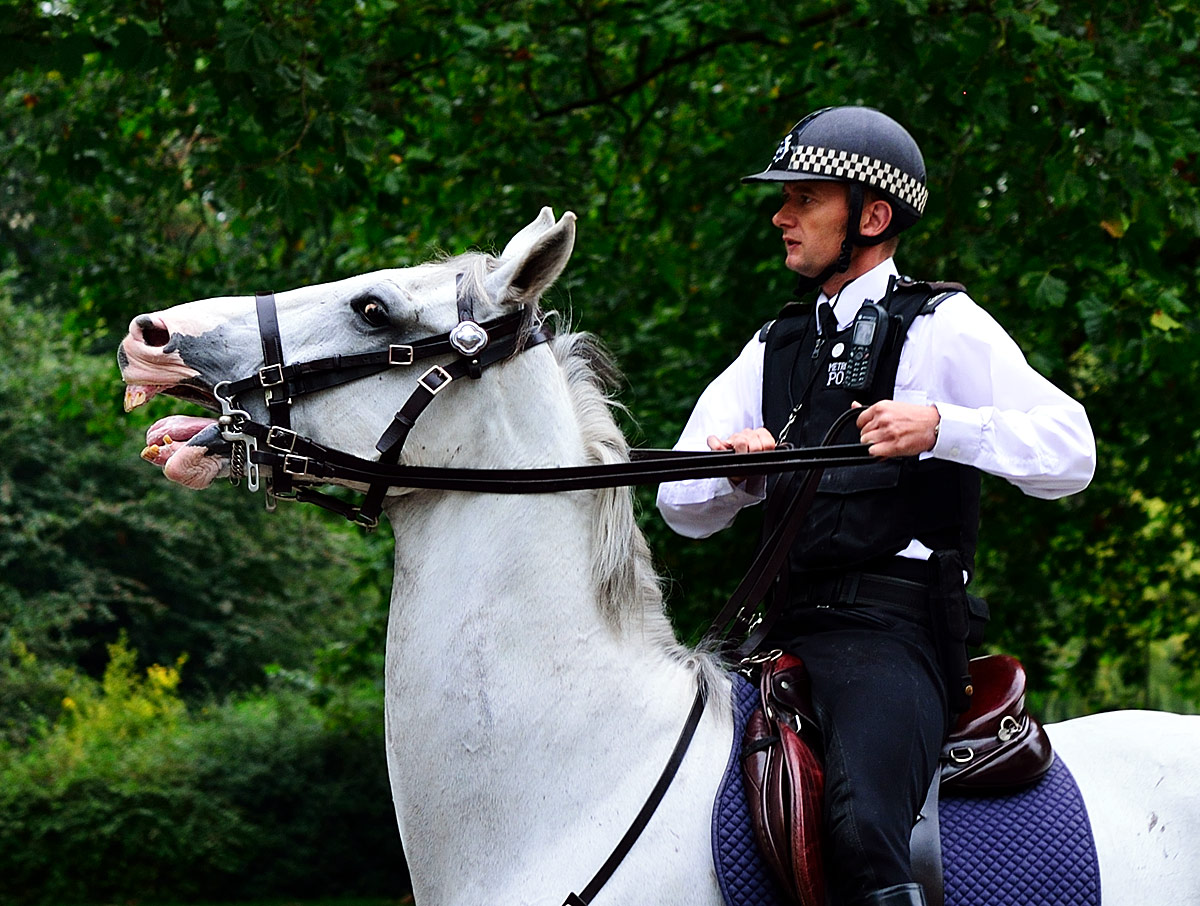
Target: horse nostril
{"x": 153, "y": 332}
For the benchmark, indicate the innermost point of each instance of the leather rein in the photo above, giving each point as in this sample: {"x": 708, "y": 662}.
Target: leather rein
{"x": 297, "y": 461}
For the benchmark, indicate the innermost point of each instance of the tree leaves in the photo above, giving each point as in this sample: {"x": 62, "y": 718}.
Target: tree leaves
{"x": 189, "y": 148}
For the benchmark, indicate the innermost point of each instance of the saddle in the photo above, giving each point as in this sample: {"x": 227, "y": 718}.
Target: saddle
{"x": 996, "y": 745}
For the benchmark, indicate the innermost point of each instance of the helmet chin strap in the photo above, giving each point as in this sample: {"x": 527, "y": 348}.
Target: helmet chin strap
{"x": 841, "y": 263}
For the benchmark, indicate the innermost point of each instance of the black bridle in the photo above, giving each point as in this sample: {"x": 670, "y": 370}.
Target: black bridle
{"x": 296, "y": 462}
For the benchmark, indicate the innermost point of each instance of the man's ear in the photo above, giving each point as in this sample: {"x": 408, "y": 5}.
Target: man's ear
{"x": 876, "y": 217}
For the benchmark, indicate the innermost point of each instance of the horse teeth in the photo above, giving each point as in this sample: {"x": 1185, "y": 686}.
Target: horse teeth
{"x": 150, "y": 453}
{"x": 167, "y": 439}
{"x": 134, "y": 398}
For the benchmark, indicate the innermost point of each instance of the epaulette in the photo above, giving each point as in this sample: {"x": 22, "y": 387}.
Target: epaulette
{"x": 939, "y": 291}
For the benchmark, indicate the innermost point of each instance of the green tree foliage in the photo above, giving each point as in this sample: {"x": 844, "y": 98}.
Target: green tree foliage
{"x": 128, "y": 796}
{"x": 170, "y": 149}
{"x": 94, "y": 544}
{"x": 155, "y": 151}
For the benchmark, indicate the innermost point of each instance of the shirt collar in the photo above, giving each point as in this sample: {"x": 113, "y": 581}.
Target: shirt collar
{"x": 869, "y": 286}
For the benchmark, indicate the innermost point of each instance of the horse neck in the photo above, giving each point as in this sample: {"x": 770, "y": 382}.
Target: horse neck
{"x": 560, "y": 549}
{"x": 499, "y": 653}
{"x": 514, "y": 570}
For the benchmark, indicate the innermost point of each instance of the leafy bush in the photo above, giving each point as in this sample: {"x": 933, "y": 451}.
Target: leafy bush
{"x": 93, "y": 542}
{"x": 31, "y": 693}
{"x": 132, "y": 796}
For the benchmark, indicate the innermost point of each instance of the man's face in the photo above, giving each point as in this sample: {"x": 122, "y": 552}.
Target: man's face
{"x": 812, "y": 220}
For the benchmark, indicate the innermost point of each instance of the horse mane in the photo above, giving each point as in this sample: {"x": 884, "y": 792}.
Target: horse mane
{"x": 629, "y": 591}
{"x": 622, "y": 567}
{"x": 628, "y": 587}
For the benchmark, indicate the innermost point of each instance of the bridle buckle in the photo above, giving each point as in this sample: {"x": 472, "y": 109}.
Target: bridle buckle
{"x": 296, "y": 465}
{"x": 270, "y": 376}
{"x": 401, "y": 355}
{"x": 444, "y": 379}
{"x": 282, "y": 439}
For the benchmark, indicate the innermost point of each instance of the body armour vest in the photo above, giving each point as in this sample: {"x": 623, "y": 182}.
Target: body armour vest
{"x": 862, "y": 513}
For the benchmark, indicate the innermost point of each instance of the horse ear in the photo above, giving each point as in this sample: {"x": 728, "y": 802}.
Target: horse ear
{"x": 525, "y": 277}
{"x": 521, "y": 242}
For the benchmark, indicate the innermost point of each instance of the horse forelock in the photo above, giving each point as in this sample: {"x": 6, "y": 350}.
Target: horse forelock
{"x": 474, "y": 268}
{"x": 469, "y": 271}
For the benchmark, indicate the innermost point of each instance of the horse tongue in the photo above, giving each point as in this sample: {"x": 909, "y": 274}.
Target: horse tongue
{"x": 140, "y": 394}
{"x": 180, "y": 427}
{"x": 191, "y": 451}
{"x": 167, "y": 435}
{"x": 193, "y": 467}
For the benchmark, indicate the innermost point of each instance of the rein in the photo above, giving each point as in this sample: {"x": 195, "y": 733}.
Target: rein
{"x": 296, "y": 460}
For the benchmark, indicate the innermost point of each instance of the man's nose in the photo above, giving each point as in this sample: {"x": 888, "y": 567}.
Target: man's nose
{"x": 782, "y": 218}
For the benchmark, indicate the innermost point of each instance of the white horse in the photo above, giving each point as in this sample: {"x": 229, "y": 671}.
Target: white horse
{"x": 534, "y": 687}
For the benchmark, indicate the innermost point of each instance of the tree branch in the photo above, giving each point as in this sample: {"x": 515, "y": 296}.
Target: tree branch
{"x": 690, "y": 57}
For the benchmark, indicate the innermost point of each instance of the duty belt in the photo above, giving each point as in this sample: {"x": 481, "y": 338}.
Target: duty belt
{"x": 846, "y": 589}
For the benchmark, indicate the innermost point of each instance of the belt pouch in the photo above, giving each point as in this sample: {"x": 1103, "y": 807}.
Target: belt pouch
{"x": 978, "y": 614}
{"x": 951, "y": 614}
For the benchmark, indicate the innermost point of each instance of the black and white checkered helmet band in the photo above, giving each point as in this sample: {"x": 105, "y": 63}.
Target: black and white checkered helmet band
{"x": 861, "y": 168}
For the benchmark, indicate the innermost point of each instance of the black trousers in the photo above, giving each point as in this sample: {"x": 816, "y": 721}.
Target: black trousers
{"x": 881, "y": 701}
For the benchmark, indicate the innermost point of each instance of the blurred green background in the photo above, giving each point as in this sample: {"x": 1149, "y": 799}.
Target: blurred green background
{"x": 190, "y": 688}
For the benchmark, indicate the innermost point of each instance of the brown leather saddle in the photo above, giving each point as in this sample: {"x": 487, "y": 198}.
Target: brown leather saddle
{"x": 995, "y": 746}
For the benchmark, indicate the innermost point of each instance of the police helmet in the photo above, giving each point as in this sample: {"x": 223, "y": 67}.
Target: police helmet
{"x": 856, "y": 145}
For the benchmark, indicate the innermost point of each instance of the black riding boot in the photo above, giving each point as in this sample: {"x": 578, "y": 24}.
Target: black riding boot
{"x": 899, "y": 895}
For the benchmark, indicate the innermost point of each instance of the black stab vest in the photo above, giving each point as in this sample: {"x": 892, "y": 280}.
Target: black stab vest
{"x": 862, "y": 513}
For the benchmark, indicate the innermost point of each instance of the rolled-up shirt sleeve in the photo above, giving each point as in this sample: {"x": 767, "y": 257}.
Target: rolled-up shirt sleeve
{"x": 699, "y": 507}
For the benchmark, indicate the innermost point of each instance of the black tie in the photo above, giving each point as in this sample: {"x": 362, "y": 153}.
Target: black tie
{"x": 828, "y": 320}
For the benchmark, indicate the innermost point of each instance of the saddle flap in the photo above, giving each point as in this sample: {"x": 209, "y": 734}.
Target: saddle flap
{"x": 785, "y": 781}
{"x": 996, "y": 744}
{"x": 768, "y": 813}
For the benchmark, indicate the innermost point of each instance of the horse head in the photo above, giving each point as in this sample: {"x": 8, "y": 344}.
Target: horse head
{"x": 194, "y": 350}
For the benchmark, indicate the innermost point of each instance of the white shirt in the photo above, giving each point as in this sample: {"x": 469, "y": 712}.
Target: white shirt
{"x": 997, "y": 413}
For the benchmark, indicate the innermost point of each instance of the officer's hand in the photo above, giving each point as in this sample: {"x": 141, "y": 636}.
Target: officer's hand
{"x": 898, "y": 429}
{"x": 748, "y": 440}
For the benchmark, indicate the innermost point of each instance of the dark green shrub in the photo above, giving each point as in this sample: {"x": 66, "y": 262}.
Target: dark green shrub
{"x": 131, "y": 796}
{"x": 95, "y": 543}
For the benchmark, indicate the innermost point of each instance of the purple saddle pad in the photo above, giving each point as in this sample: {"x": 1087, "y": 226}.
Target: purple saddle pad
{"x": 1030, "y": 848}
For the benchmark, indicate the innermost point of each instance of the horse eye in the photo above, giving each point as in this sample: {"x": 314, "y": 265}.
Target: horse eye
{"x": 373, "y": 312}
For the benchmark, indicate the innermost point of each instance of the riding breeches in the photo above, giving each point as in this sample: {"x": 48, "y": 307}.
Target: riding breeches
{"x": 880, "y": 700}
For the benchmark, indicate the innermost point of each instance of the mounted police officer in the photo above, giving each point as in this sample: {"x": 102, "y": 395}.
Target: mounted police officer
{"x": 876, "y": 581}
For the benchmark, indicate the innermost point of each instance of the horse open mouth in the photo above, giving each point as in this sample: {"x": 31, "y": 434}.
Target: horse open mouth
{"x": 189, "y": 449}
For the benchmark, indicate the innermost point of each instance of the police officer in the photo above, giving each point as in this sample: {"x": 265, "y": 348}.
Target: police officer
{"x": 945, "y": 394}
